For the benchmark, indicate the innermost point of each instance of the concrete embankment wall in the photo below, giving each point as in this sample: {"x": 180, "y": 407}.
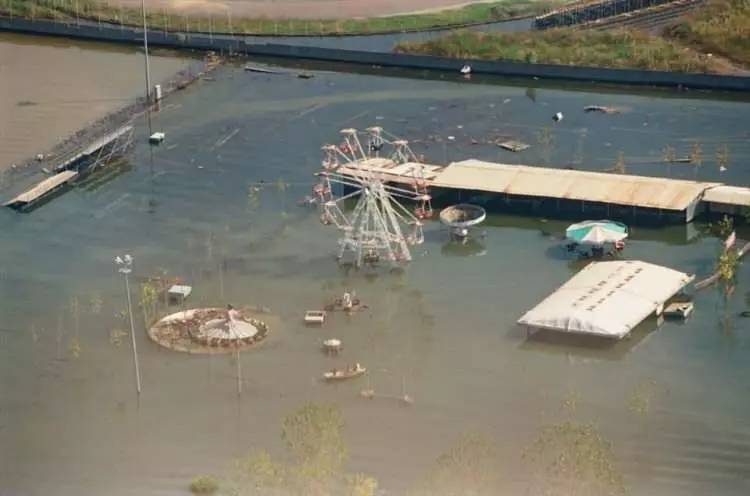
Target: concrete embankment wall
{"x": 250, "y": 46}
{"x": 577, "y": 14}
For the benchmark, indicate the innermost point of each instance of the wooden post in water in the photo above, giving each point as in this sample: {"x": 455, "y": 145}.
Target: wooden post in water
{"x": 239, "y": 373}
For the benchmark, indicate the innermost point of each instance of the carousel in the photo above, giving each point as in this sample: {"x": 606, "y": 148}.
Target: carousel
{"x": 209, "y": 330}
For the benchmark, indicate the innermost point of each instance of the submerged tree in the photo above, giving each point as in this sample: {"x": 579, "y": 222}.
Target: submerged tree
{"x": 317, "y": 452}
{"x": 546, "y": 139}
{"x": 722, "y": 157}
{"x": 669, "y": 154}
{"x": 313, "y": 436}
{"x": 573, "y": 459}
{"x": 620, "y": 167}
{"x": 470, "y": 467}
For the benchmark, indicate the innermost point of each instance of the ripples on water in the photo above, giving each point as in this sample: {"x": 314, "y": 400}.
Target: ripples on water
{"x": 72, "y": 425}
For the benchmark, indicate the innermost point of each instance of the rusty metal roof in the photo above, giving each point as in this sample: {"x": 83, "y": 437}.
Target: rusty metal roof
{"x": 728, "y": 195}
{"x": 618, "y": 189}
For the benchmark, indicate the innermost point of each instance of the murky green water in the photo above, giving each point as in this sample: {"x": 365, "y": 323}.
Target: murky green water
{"x": 445, "y": 327}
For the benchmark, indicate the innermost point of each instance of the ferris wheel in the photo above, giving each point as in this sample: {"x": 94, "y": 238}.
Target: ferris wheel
{"x": 377, "y": 171}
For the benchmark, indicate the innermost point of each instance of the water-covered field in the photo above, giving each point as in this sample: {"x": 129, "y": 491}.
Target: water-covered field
{"x": 673, "y": 400}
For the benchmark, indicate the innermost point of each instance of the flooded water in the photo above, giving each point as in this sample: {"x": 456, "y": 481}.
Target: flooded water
{"x": 71, "y": 424}
{"x": 52, "y": 87}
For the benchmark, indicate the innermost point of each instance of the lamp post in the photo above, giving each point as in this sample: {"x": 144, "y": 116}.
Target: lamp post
{"x": 125, "y": 266}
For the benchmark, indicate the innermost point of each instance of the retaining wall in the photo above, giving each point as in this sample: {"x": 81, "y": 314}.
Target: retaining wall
{"x": 250, "y": 46}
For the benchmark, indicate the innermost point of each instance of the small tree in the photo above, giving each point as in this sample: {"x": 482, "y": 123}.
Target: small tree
{"x": 620, "y": 167}
{"x": 722, "y": 157}
{"x": 669, "y": 154}
{"x": 696, "y": 154}
{"x": 468, "y": 467}
{"x": 313, "y": 435}
{"x": 574, "y": 459}
{"x": 546, "y": 139}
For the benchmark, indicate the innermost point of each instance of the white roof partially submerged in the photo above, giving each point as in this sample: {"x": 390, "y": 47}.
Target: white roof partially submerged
{"x": 607, "y": 298}
{"x": 619, "y": 189}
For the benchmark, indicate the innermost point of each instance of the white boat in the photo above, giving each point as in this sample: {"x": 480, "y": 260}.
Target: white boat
{"x": 348, "y": 373}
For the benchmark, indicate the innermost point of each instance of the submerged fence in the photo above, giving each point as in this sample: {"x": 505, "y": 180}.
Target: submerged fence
{"x": 579, "y": 14}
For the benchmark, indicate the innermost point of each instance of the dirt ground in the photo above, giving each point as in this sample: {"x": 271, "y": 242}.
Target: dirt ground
{"x": 297, "y": 9}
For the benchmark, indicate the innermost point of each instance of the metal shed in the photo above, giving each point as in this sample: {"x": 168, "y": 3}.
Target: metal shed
{"x": 607, "y": 299}
{"x": 599, "y": 187}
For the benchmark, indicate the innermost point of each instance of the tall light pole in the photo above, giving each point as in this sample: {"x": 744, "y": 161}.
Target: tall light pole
{"x": 125, "y": 267}
{"x": 145, "y": 50}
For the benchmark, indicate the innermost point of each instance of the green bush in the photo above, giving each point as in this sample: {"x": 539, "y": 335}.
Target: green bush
{"x": 204, "y": 484}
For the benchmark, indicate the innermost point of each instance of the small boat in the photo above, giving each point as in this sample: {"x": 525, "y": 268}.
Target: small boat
{"x": 349, "y": 373}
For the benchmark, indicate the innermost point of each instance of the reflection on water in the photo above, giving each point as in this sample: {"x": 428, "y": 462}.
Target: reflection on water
{"x": 51, "y": 87}
{"x": 69, "y": 419}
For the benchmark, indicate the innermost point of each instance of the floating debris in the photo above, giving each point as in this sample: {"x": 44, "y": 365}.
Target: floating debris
{"x": 681, "y": 309}
{"x": 514, "y": 145}
{"x": 466, "y": 70}
{"x": 156, "y": 138}
{"x": 315, "y": 317}
{"x": 557, "y": 117}
{"x": 262, "y": 70}
{"x": 603, "y": 109}
{"x": 305, "y": 75}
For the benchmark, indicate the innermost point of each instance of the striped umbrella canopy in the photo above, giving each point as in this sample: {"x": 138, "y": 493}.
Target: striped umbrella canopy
{"x": 597, "y": 232}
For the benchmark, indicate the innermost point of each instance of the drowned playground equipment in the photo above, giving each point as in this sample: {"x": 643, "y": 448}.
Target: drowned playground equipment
{"x": 379, "y": 228}
{"x": 460, "y": 218}
{"x": 208, "y": 331}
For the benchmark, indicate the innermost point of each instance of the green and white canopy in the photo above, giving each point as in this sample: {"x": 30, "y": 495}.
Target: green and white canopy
{"x": 597, "y": 232}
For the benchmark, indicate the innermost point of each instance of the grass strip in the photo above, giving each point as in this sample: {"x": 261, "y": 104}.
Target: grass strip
{"x": 720, "y": 26}
{"x": 161, "y": 20}
{"x": 567, "y": 46}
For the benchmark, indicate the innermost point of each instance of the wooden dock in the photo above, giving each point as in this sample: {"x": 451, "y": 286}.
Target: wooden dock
{"x": 34, "y": 195}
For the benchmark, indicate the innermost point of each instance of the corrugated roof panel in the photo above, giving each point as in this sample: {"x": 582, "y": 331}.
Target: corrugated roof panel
{"x": 642, "y": 191}
{"x": 729, "y": 195}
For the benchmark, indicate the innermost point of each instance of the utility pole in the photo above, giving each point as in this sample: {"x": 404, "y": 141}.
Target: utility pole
{"x": 145, "y": 50}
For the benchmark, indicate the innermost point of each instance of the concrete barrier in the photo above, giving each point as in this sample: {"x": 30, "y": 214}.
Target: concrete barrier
{"x": 251, "y": 46}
